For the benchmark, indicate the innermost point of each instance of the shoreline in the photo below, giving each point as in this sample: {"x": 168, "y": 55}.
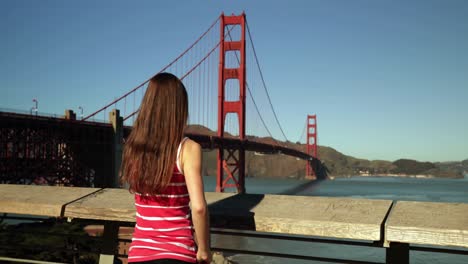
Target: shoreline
{"x": 333, "y": 177}
{"x": 418, "y": 176}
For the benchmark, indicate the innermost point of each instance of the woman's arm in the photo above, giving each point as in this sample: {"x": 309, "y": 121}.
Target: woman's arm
{"x": 192, "y": 169}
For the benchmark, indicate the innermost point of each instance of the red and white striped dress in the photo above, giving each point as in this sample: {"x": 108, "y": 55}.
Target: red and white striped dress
{"x": 164, "y": 227}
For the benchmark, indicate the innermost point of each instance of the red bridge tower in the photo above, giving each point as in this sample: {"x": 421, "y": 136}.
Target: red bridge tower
{"x": 232, "y": 164}
{"x": 311, "y": 144}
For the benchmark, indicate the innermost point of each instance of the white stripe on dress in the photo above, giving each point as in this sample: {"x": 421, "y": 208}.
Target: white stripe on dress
{"x": 160, "y": 206}
{"x": 159, "y": 218}
{"x": 165, "y": 195}
{"x": 177, "y": 237}
{"x": 164, "y": 253}
{"x": 147, "y": 240}
{"x": 162, "y": 229}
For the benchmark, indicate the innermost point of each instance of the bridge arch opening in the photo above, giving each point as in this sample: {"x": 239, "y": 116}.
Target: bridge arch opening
{"x": 232, "y": 59}
{"x": 232, "y": 90}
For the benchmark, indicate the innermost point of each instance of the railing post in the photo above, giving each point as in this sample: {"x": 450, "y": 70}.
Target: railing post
{"x": 117, "y": 146}
{"x": 397, "y": 253}
{"x": 109, "y": 246}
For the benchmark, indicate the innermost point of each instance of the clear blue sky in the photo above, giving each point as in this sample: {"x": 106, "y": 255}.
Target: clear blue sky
{"x": 387, "y": 79}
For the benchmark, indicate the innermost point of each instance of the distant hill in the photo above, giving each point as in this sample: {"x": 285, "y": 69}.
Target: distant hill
{"x": 453, "y": 169}
{"x": 336, "y": 163}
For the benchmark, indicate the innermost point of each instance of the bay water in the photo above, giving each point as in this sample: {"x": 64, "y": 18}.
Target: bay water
{"x": 388, "y": 188}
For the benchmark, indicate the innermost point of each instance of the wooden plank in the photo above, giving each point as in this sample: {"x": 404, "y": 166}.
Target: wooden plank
{"x": 107, "y": 204}
{"x": 305, "y": 215}
{"x": 322, "y": 216}
{"x": 114, "y": 205}
{"x": 213, "y": 197}
{"x": 429, "y": 223}
{"x": 38, "y": 200}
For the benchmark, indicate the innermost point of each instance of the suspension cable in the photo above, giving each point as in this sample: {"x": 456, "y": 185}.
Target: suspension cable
{"x": 263, "y": 80}
{"x": 251, "y": 96}
{"x": 303, "y": 131}
{"x": 190, "y": 71}
{"x": 167, "y": 66}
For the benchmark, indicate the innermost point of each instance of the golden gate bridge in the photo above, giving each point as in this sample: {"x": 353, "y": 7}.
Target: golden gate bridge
{"x": 230, "y": 110}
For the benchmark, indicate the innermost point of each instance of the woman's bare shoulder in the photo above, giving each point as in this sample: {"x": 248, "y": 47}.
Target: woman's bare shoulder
{"x": 191, "y": 147}
{"x": 191, "y": 156}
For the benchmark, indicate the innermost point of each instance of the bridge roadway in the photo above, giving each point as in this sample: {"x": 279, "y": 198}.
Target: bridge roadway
{"x": 358, "y": 222}
{"x": 81, "y": 153}
{"x": 206, "y": 141}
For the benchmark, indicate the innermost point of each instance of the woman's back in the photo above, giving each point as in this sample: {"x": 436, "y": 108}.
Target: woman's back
{"x": 163, "y": 225}
{"x": 163, "y": 169}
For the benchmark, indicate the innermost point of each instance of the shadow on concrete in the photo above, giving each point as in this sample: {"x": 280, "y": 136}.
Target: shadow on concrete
{"x": 234, "y": 212}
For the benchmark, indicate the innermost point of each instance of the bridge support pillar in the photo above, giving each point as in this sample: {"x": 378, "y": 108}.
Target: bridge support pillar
{"x": 231, "y": 160}
{"x": 70, "y": 115}
{"x": 117, "y": 146}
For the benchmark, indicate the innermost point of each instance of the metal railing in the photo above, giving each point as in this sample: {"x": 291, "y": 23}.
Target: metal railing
{"x": 41, "y": 229}
{"x": 47, "y": 115}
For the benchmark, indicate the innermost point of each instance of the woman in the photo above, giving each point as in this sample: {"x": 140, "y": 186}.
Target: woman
{"x": 163, "y": 170}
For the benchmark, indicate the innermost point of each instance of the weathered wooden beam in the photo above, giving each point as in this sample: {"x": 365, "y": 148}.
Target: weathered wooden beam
{"x": 404, "y": 223}
{"x": 334, "y": 217}
{"x": 108, "y": 204}
{"x": 429, "y": 223}
{"x": 39, "y": 200}
{"x": 302, "y": 215}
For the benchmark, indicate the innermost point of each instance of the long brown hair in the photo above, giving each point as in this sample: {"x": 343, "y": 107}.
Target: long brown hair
{"x": 150, "y": 150}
